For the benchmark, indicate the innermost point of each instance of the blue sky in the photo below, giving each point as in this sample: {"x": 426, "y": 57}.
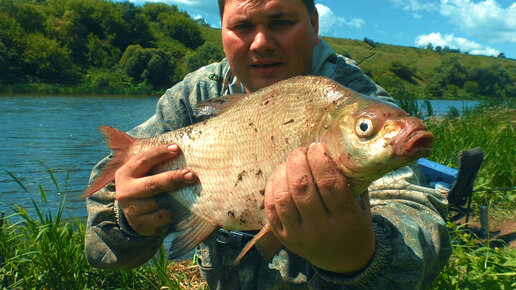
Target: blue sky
{"x": 478, "y": 27}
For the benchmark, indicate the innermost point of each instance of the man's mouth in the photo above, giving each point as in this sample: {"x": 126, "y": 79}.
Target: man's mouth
{"x": 259, "y": 65}
{"x": 265, "y": 68}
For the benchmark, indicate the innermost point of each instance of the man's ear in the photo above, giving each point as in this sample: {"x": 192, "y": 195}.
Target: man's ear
{"x": 314, "y": 20}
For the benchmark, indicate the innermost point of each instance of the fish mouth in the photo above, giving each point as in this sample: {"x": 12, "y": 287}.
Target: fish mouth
{"x": 416, "y": 142}
{"x": 419, "y": 144}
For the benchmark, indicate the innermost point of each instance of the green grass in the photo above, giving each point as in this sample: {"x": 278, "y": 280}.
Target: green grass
{"x": 476, "y": 265}
{"x": 47, "y": 251}
{"x": 493, "y": 128}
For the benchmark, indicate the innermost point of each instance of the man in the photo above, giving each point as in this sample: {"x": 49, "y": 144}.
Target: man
{"x": 393, "y": 236}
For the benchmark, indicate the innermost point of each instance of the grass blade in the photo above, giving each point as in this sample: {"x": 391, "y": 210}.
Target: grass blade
{"x": 51, "y": 173}
{"x": 16, "y": 179}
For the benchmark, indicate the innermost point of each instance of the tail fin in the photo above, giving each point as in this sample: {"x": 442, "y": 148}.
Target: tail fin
{"x": 119, "y": 142}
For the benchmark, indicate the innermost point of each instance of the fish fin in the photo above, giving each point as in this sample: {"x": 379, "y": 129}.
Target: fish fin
{"x": 119, "y": 142}
{"x": 266, "y": 243}
{"x": 214, "y": 107}
{"x": 192, "y": 231}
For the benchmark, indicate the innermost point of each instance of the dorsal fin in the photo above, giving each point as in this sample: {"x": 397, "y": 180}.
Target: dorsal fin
{"x": 214, "y": 107}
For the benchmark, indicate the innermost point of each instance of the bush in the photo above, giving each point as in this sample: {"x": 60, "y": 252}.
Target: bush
{"x": 401, "y": 70}
{"x": 149, "y": 65}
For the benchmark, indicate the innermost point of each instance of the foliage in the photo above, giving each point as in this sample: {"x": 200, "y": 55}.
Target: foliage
{"x": 182, "y": 28}
{"x": 493, "y": 128}
{"x": 476, "y": 265}
{"x": 206, "y": 54}
{"x": 47, "y": 252}
{"x": 401, "y": 70}
{"x": 62, "y": 43}
{"x": 432, "y": 73}
{"x": 149, "y": 65}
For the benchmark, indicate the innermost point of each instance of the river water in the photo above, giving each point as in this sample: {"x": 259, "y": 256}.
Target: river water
{"x": 61, "y": 134}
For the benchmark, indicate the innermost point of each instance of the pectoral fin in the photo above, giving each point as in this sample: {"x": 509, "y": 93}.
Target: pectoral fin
{"x": 191, "y": 229}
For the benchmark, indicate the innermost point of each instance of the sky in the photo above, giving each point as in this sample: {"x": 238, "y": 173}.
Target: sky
{"x": 477, "y": 27}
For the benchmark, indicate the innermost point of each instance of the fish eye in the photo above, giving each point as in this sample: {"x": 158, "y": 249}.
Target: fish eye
{"x": 364, "y": 128}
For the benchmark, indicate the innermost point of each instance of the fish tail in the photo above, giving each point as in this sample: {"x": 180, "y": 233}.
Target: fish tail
{"x": 266, "y": 243}
{"x": 120, "y": 143}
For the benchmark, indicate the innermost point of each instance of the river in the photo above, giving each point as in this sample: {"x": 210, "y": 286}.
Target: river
{"x": 61, "y": 133}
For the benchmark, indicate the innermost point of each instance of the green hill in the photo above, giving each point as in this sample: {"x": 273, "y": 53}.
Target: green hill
{"x": 101, "y": 47}
{"x": 430, "y": 72}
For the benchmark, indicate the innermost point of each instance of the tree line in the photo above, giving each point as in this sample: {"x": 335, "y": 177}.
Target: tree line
{"x": 453, "y": 80}
{"x": 98, "y": 45}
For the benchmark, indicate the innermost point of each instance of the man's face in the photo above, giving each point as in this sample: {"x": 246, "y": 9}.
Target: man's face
{"x": 266, "y": 41}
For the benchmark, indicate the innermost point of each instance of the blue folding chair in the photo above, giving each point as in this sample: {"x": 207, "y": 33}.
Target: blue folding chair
{"x": 461, "y": 180}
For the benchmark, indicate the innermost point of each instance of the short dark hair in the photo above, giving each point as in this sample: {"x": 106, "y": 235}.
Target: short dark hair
{"x": 309, "y": 4}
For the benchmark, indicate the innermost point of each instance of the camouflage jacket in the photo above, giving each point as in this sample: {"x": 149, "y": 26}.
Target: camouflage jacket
{"x": 412, "y": 242}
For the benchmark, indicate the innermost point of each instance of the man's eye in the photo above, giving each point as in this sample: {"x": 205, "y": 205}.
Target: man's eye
{"x": 281, "y": 23}
{"x": 243, "y": 26}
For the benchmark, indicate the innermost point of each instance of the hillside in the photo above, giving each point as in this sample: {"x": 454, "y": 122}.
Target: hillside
{"x": 431, "y": 73}
{"x": 101, "y": 47}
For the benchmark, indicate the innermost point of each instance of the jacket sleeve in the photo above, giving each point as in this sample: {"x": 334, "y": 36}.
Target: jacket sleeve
{"x": 109, "y": 242}
{"x": 412, "y": 241}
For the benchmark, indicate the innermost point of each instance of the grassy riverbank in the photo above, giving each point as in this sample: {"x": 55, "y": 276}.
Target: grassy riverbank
{"x": 46, "y": 251}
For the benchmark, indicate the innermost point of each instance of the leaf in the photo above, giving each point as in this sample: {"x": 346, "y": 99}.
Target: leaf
{"x": 16, "y": 179}
{"x": 51, "y": 175}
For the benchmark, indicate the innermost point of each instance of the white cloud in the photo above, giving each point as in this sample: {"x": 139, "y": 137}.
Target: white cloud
{"x": 485, "y": 19}
{"x": 449, "y": 40}
{"x": 331, "y": 25}
{"x": 415, "y": 6}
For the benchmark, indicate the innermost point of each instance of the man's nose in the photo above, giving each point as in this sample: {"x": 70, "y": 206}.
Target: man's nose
{"x": 263, "y": 41}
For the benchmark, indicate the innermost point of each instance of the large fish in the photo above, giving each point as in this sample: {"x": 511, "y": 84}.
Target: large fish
{"x": 235, "y": 152}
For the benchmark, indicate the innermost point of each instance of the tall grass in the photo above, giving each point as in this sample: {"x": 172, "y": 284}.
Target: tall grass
{"x": 494, "y": 130}
{"x": 476, "y": 265}
{"x": 47, "y": 252}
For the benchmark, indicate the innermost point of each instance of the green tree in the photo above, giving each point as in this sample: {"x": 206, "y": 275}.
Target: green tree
{"x": 472, "y": 88}
{"x": 45, "y": 59}
{"x": 401, "y": 70}
{"x": 11, "y": 37}
{"x": 101, "y": 53}
{"x": 179, "y": 26}
{"x": 149, "y": 65}
{"x": 152, "y": 10}
{"x": 206, "y": 54}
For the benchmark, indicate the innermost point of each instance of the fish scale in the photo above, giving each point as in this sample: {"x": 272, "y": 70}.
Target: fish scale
{"x": 234, "y": 153}
{"x": 231, "y": 194}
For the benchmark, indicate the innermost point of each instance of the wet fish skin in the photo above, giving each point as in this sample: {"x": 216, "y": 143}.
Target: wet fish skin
{"x": 234, "y": 153}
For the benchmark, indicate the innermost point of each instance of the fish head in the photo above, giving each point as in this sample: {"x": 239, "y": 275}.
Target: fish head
{"x": 368, "y": 138}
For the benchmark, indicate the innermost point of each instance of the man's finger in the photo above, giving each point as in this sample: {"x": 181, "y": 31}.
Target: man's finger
{"x": 283, "y": 203}
{"x": 140, "y": 164}
{"x": 270, "y": 209}
{"x": 333, "y": 188}
{"x": 302, "y": 187}
{"x": 148, "y": 186}
{"x": 137, "y": 207}
{"x": 149, "y": 224}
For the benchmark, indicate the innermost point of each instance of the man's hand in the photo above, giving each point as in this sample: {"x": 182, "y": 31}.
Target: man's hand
{"x": 135, "y": 190}
{"x": 314, "y": 214}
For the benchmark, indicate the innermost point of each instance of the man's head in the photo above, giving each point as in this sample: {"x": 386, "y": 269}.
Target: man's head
{"x": 309, "y": 4}
{"x": 266, "y": 41}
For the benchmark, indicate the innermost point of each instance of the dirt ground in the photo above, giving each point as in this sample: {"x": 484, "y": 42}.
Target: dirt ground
{"x": 502, "y": 233}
